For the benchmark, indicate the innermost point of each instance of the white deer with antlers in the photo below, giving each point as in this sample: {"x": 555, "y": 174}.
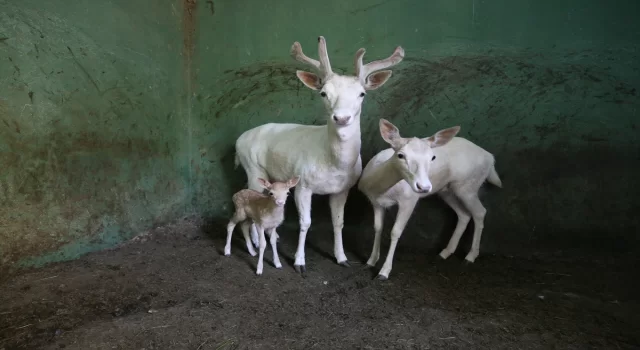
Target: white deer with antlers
{"x": 327, "y": 157}
{"x": 414, "y": 168}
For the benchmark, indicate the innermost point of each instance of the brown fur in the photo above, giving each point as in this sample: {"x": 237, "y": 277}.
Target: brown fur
{"x": 266, "y": 212}
{"x": 255, "y": 206}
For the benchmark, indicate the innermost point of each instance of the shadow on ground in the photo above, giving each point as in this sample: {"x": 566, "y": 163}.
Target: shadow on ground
{"x": 172, "y": 289}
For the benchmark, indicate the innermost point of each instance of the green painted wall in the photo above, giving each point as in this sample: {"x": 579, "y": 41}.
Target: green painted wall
{"x": 93, "y": 143}
{"x": 119, "y": 115}
{"x": 550, "y": 87}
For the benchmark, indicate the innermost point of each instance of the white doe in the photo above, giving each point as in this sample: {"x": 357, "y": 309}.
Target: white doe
{"x": 414, "y": 168}
{"x": 326, "y": 157}
{"x": 265, "y": 211}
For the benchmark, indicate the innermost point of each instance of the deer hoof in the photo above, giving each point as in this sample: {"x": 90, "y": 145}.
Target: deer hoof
{"x": 383, "y": 277}
{"x": 468, "y": 262}
{"x": 345, "y": 264}
{"x": 300, "y": 268}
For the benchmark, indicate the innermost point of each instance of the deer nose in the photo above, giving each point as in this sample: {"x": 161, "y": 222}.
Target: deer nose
{"x": 423, "y": 187}
{"x": 341, "y": 120}
{"x": 280, "y": 202}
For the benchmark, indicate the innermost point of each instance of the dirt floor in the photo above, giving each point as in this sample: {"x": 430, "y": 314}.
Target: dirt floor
{"x": 173, "y": 289}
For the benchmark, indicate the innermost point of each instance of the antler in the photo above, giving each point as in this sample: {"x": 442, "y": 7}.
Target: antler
{"x": 323, "y": 66}
{"x": 363, "y": 71}
{"x": 324, "y": 56}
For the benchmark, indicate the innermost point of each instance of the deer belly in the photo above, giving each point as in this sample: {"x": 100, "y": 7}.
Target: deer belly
{"x": 386, "y": 202}
{"x": 271, "y": 223}
{"x": 329, "y": 182}
{"x": 400, "y": 191}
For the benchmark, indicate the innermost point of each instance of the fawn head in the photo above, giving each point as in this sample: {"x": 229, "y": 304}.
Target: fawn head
{"x": 278, "y": 191}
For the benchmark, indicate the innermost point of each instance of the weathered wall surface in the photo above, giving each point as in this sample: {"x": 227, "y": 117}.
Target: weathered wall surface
{"x": 92, "y": 140}
{"x": 549, "y": 87}
{"x": 116, "y": 115}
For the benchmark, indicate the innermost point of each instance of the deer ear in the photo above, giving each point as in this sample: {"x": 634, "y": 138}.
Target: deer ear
{"x": 391, "y": 135}
{"x": 311, "y": 80}
{"x": 388, "y": 131}
{"x": 293, "y": 182}
{"x": 266, "y": 184}
{"x": 377, "y": 79}
{"x": 442, "y": 137}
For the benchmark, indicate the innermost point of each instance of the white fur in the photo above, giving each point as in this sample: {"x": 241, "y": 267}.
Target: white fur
{"x": 459, "y": 169}
{"x": 327, "y": 158}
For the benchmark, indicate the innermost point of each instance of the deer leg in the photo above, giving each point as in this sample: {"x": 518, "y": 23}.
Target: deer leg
{"x": 303, "y": 203}
{"x": 227, "y": 248}
{"x": 245, "y": 227}
{"x": 237, "y": 217}
{"x": 337, "y": 202}
{"x": 263, "y": 245}
{"x": 378, "y": 222}
{"x": 252, "y": 175}
{"x": 254, "y": 236}
{"x": 405, "y": 209}
{"x": 463, "y": 221}
{"x": 478, "y": 212}
{"x": 273, "y": 238}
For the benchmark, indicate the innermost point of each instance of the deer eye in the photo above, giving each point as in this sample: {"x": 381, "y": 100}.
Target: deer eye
{"x": 271, "y": 194}
{"x": 362, "y": 94}
{"x": 400, "y": 156}
{"x": 323, "y": 94}
{"x": 433, "y": 158}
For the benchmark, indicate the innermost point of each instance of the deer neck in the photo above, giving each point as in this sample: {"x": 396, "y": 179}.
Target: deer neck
{"x": 344, "y": 143}
{"x": 382, "y": 178}
{"x": 270, "y": 207}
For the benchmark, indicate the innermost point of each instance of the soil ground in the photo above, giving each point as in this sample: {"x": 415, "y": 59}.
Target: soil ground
{"x": 173, "y": 289}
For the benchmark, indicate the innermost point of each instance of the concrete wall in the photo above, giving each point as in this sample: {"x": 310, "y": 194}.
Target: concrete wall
{"x": 550, "y": 87}
{"x": 93, "y": 144}
{"x": 118, "y": 115}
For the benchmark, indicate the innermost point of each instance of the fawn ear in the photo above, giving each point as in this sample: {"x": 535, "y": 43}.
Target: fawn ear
{"x": 391, "y": 135}
{"x": 293, "y": 182}
{"x": 266, "y": 184}
{"x": 442, "y": 137}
